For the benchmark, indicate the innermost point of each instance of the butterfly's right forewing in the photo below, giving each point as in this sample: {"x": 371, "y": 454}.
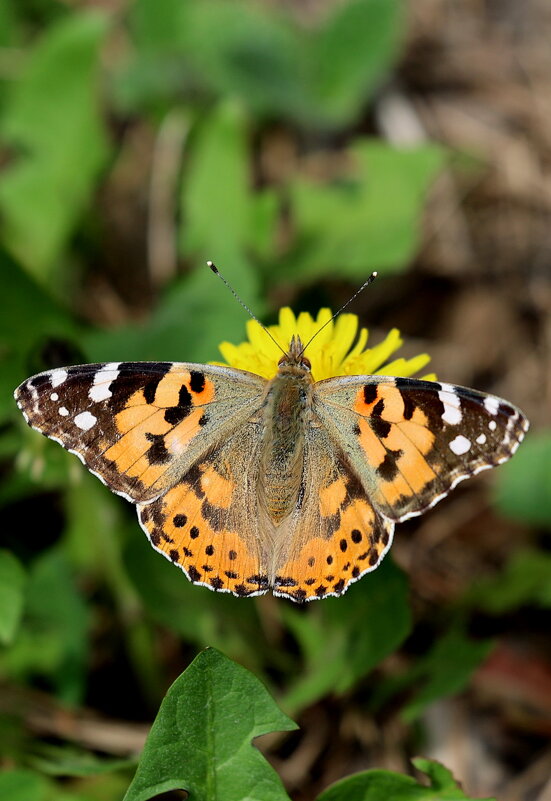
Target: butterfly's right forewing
{"x": 139, "y": 426}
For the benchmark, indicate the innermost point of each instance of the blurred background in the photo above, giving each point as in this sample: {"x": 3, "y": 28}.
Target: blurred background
{"x": 300, "y": 145}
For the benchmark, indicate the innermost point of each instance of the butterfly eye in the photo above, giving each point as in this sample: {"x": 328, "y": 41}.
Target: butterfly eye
{"x": 306, "y": 363}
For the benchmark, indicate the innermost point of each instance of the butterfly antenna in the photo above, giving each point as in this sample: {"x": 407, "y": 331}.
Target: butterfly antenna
{"x": 370, "y": 280}
{"x": 217, "y": 272}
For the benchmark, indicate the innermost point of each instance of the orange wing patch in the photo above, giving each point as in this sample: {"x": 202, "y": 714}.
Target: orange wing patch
{"x": 398, "y": 444}
{"x": 327, "y": 565}
{"x": 208, "y": 526}
{"x": 155, "y": 427}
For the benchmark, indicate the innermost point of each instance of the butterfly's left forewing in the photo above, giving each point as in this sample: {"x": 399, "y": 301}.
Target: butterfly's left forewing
{"x": 411, "y": 441}
{"x": 139, "y": 426}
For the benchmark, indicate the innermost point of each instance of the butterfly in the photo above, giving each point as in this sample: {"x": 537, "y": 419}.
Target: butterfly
{"x": 288, "y": 484}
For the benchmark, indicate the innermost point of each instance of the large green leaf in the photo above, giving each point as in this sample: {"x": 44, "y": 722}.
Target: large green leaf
{"x": 367, "y": 221}
{"x": 201, "y": 739}
{"x": 382, "y": 785}
{"x": 343, "y": 639}
{"x": 52, "y": 122}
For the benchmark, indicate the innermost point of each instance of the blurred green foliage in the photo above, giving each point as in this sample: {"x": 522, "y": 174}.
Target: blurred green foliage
{"x": 76, "y": 574}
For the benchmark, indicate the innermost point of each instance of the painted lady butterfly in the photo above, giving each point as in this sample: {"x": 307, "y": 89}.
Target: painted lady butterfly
{"x": 287, "y": 484}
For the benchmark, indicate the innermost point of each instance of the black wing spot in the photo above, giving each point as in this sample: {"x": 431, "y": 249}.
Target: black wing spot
{"x": 150, "y": 388}
{"x": 343, "y": 545}
{"x": 157, "y": 453}
{"x": 232, "y": 555}
{"x": 193, "y": 573}
{"x": 339, "y": 586}
{"x": 311, "y": 561}
{"x": 356, "y": 535}
{"x": 320, "y": 591}
{"x": 216, "y": 582}
{"x": 175, "y": 414}
{"x": 197, "y": 381}
{"x": 174, "y": 555}
{"x": 381, "y": 428}
{"x": 285, "y": 581}
{"x": 209, "y": 550}
{"x": 388, "y": 469}
{"x": 194, "y": 532}
{"x": 370, "y": 393}
{"x": 179, "y": 520}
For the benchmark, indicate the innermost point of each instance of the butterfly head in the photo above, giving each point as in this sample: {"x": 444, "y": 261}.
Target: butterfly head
{"x": 295, "y": 360}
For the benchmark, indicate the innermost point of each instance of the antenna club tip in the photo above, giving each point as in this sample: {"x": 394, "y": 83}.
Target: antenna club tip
{"x": 374, "y": 273}
{"x": 212, "y": 266}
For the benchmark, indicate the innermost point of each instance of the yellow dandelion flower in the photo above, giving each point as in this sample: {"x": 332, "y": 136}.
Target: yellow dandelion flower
{"x": 338, "y": 349}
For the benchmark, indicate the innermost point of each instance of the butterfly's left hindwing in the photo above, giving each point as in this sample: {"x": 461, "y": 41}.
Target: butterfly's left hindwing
{"x": 139, "y": 426}
{"x": 411, "y": 441}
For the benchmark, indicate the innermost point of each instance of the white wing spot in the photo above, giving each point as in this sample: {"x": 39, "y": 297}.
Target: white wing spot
{"x": 63, "y": 411}
{"x": 85, "y": 421}
{"x": 460, "y": 445}
{"x": 58, "y": 377}
{"x": 491, "y": 404}
{"x": 492, "y": 425}
{"x": 102, "y": 380}
{"x": 481, "y": 439}
{"x": 54, "y": 396}
{"x": 452, "y": 412}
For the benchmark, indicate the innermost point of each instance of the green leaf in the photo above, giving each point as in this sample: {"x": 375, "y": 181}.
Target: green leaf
{"x": 52, "y": 641}
{"x": 376, "y": 785}
{"x": 201, "y": 739}
{"x": 343, "y": 639}
{"x": 526, "y": 579}
{"x": 216, "y": 191}
{"x": 523, "y": 486}
{"x": 350, "y": 55}
{"x": 52, "y": 121}
{"x": 446, "y": 669}
{"x": 367, "y": 221}
{"x": 23, "y": 785}
{"x": 12, "y": 584}
{"x": 318, "y": 76}
{"x": 55, "y": 760}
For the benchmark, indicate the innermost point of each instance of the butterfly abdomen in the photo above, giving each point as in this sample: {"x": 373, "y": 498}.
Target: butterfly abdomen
{"x": 287, "y": 410}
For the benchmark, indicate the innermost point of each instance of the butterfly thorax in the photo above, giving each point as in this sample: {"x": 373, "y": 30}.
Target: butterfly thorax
{"x": 286, "y": 414}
